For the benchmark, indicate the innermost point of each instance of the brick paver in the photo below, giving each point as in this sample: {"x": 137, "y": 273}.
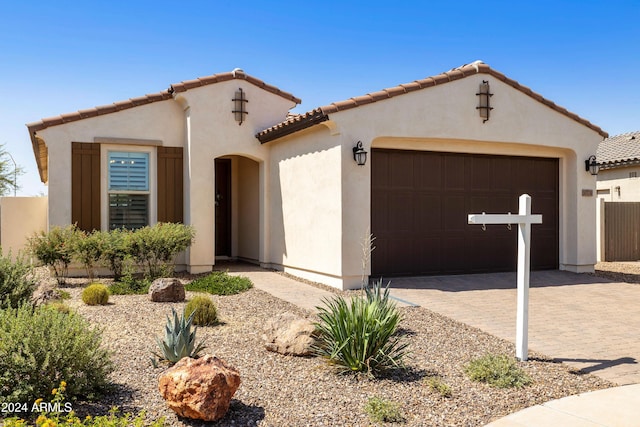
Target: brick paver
{"x": 588, "y": 322}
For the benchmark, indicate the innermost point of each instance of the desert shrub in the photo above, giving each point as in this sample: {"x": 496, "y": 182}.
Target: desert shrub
{"x": 358, "y": 336}
{"x": 179, "y": 341}
{"x": 205, "y": 311}
{"x": 383, "y": 411}
{"x": 88, "y": 250}
{"x": 115, "y": 250}
{"x": 156, "y": 247}
{"x": 55, "y": 249}
{"x": 95, "y": 294}
{"x": 220, "y": 283}
{"x": 16, "y": 282}
{"x": 497, "y": 370}
{"x": 41, "y": 347}
{"x": 60, "y": 419}
{"x": 59, "y": 306}
{"x": 439, "y": 386}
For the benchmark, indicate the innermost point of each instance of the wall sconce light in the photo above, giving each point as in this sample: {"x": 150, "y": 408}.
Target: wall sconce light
{"x": 591, "y": 166}
{"x": 239, "y": 106}
{"x": 359, "y": 155}
{"x": 484, "y": 106}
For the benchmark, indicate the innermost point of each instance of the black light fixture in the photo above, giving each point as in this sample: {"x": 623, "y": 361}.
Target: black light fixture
{"x": 359, "y": 155}
{"x": 484, "y": 102}
{"x": 239, "y": 106}
{"x": 591, "y": 166}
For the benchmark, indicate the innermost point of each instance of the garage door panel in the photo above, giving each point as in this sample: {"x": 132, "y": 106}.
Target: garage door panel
{"x": 451, "y": 221}
{"x": 424, "y": 229}
{"x": 453, "y": 172}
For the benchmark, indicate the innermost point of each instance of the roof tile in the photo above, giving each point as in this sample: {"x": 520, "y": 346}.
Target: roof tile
{"x": 619, "y": 150}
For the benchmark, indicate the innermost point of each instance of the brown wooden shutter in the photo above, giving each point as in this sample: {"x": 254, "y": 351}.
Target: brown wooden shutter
{"x": 170, "y": 198}
{"x": 85, "y": 185}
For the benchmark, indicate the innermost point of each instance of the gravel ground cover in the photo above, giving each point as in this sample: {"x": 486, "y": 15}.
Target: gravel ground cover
{"x": 281, "y": 390}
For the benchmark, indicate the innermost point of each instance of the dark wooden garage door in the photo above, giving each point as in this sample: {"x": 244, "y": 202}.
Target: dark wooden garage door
{"x": 419, "y": 206}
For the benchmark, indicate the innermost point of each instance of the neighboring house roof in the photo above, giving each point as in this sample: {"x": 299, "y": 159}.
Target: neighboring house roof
{"x": 321, "y": 114}
{"x": 40, "y": 148}
{"x": 619, "y": 150}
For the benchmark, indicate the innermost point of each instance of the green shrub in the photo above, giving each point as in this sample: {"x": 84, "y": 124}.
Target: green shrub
{"x": 205, "y": 311}
{"x": 436, "y": 384}
{"x": 115, "y": 250}
{"x": 156, "y": 247}
{"x": 359, "y": 336}
{"x": 41, "y": 347}
{"x": 59, "y": 306}
{"x": 88, "y": 250}
{"x": 383, "y": 411}
{"x": 16, "y": 282}
{"x": 95, "y": 294}
{"x": 55, "y": 249}
{"x": 497, "y": 370}
{"x": 179, "y": 341}
{"x": 220, "y": 283}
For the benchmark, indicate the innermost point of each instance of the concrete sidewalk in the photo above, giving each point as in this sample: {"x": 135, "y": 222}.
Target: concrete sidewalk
{"x": 613, "y": 407}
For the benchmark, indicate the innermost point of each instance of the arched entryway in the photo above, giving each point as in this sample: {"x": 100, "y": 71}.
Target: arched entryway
{"x": 237, "y": 208}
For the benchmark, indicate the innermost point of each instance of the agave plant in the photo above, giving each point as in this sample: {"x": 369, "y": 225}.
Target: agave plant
{"x": 179, "y": 341}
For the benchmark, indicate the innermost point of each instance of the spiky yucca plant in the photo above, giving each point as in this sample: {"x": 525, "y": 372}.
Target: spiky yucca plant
{"x": 179, "y": 341}
{"x": 359, "y": 335}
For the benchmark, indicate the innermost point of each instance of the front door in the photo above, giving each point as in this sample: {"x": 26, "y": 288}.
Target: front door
{"x": 223, "y": 207}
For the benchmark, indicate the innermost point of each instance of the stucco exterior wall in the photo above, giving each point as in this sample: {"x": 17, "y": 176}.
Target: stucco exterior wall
{"x": 619, "y": 184}
{"x": 20, "y": 218}
{"x": 212, "y": 132}
{"x": 444, "y": 118}
{"x": 305, "y": 206}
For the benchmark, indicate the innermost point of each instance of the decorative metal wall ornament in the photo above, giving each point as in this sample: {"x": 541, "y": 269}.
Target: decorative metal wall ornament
{"x": 485, "y": 95}
{"x": 239, "y": 106}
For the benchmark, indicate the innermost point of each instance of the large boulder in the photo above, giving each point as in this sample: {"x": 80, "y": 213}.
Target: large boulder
{"x": 166, "y": 290}
{"x": 289, "y": 334}
{"x": 200, "y": 389}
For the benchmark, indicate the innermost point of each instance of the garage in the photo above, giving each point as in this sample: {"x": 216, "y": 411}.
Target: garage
{"x": 419, "y": 206}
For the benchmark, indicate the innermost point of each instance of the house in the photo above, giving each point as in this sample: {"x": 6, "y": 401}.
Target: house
{"x": 618, "y": 189}
{"x": 619, "y": 161}
{"x": 283, "y": 190}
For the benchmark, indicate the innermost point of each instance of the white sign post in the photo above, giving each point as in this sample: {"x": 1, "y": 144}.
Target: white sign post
{"x": 524, "y": 219}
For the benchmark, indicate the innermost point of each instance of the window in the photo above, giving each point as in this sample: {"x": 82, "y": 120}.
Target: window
{"x": 128, "y": 189}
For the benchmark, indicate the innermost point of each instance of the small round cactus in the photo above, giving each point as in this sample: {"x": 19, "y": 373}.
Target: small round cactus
{"x": 206, "y": 313}
{"x": 95, "y": 294}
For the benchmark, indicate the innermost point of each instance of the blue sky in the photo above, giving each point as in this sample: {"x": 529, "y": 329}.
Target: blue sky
{"x": 59, "y": 57}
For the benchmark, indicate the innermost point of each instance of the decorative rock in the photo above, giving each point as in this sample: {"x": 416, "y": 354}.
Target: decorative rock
{"x": 289, "y": 334}
{"x": 200, "y": 389}
{"x": 45, "y": 295}
{"x": 166, "y": 290}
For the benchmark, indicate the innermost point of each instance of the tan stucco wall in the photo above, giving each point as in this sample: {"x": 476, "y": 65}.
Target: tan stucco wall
{"x": 20, "y": 218}
{"x": 615, "y": 185}
{"x": 248, "y": 218}
{"x": 305, "y": 206}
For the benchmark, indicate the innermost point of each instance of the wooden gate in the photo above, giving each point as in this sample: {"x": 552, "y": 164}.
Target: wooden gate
{"x": 622, "y": 231}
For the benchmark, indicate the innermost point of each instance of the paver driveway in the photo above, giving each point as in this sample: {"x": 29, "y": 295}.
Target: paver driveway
{"x": 588, "y": 322}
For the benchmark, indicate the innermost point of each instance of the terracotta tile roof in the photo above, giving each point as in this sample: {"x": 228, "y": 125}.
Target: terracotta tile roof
{"x": 478, "y": 67}
{"x": 619, "y": 150}
{"x": 40, "y": 149}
